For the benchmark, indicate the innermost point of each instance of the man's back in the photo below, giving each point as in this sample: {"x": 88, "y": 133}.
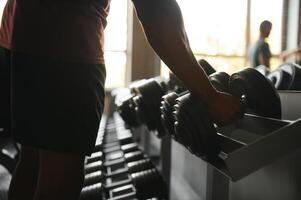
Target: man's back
{"x": 74, "y": 29}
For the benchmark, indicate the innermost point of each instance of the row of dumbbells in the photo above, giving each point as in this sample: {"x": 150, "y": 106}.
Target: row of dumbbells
{"x": 176, "y": 112}
{"x": 119, "y": 169}
{"x": 286, "y": 77}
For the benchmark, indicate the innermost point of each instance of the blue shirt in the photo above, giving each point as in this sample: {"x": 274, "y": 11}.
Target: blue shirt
{"x": 260, "y": 47}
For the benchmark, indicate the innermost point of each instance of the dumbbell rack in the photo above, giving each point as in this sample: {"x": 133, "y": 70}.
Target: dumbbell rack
{"x": 158, "y": 148}
{"x": 250, "y": 149}
{"x": 252, "y": 144}
{"x": 118, "y": 168}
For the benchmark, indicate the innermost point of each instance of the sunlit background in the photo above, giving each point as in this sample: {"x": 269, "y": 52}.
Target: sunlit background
{"x": 115, "y": 44}
{"x": 2, "y": 4}
{"x": 217, "y": 31}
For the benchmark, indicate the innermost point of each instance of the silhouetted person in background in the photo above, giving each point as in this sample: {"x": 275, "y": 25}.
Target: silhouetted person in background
{"x": 259, "y": 53}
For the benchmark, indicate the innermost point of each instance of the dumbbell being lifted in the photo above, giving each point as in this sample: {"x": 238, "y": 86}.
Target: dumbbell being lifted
{"x": 219, "y": 80}
{"x": 260, "y": 95}
{"x": 197, "y": 132}
{"x": 193, "y": 127}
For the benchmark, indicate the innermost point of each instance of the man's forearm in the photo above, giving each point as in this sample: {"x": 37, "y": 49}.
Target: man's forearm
{"x": 163, "y": 25}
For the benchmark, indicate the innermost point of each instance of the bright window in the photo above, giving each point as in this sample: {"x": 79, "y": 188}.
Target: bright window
{"x": 115, "y": 44}
{"x": 212, "y": 28}
{"x": 217, "y": 29}
{"x": 2, "y": 4}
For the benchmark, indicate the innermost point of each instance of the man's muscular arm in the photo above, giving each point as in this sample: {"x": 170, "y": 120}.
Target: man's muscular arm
{"x": 164, "y": 28}
{"x": 163, "y": 25}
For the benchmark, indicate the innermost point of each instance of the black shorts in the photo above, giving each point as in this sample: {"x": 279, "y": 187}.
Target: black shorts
{"x": 5, "y": 93}
{"x": 56, "y": 105}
